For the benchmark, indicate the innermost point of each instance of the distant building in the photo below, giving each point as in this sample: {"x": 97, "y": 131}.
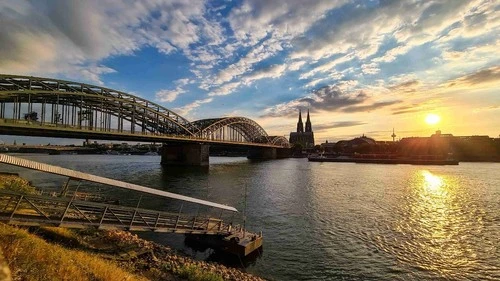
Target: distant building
{"x": 348, "y": 145}
{"x": 463, "y": 148}
{"x": 304, "y": 138}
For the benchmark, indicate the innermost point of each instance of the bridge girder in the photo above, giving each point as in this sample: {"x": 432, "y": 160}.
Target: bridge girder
{"x": 79, "y": 99}
{"x": 150, "y": 116}
{"x": 279, "y": 140}
{"x": 248, "y": 128}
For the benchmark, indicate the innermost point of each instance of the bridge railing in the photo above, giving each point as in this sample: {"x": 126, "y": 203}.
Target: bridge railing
{"x": 21, "y": 209}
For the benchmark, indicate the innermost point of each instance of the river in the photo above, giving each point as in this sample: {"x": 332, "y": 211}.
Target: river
{"x": 332, "y": 221}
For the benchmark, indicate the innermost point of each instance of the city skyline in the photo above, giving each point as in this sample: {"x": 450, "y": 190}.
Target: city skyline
{"x": 360, "y": 67}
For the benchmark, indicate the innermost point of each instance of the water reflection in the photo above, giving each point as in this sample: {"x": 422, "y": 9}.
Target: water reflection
{"x": 433, "y": 183}
{"x": 435, "y": 231}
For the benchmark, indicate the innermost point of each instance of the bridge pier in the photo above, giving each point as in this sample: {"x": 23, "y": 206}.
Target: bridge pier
{"x": 283, "y": 153}
{"x": 185, "y": 154}
{"x": 262, "y": 153}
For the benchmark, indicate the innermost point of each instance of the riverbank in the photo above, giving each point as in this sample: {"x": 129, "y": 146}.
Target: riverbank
{"x": 51, "y": 253}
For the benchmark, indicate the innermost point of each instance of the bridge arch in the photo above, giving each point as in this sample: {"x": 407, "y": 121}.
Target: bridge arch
{"x": 279, "y": 140}
{"x": 231, "y": 128}
{"x": 94, "y": 105}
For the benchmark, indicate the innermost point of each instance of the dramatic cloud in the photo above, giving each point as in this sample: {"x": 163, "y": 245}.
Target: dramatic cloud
{"x": 71, "y": 37}
{"x": 268, "y": 57}
{"x": 328, "y": 99}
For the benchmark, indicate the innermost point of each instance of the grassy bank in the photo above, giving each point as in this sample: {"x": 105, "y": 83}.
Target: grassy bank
{"x": 31, "y": 258}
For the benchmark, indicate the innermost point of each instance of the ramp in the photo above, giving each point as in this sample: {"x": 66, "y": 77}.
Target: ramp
{"x": 20, "y": 162}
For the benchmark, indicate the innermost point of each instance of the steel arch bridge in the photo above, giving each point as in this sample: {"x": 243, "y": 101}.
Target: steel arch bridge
{"x": 231, "y": 128}
{"x": 82, "y": 109}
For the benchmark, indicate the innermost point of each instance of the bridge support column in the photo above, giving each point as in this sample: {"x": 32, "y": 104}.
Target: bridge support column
{"x": 185, "y": 154}
{"x": 262, "y": 153}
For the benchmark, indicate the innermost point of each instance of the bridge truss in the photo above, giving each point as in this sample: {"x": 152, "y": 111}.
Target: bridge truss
{"x": 57, "y": 103}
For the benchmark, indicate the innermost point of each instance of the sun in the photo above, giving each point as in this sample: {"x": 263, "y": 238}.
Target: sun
{"x": 432, "y": 119}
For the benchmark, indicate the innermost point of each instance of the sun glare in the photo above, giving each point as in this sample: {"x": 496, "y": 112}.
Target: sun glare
{"x": 432, "y": 119}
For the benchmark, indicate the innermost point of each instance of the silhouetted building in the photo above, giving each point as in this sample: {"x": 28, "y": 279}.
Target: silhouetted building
{"x": 349, "y": 146}
{"x": 304, "y": 138}
{"x": 463, "y": 148}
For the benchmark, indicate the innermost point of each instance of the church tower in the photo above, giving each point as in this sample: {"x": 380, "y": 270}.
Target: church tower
{"x": 308, "y": 123}
{"x": 300, "y": 126}
{"x": 305, "y": 139}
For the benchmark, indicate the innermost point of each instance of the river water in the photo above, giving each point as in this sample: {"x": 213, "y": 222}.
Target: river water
{"x": 332, "y": 221}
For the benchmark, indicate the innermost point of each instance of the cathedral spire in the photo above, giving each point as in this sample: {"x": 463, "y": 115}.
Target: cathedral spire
{"x": 308, "y": 123}
{"x": 300, "y": 125}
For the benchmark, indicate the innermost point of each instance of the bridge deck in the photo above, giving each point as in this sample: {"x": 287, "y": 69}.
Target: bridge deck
{"x": 32, "y": 128}
{"x": 35, "y": 210}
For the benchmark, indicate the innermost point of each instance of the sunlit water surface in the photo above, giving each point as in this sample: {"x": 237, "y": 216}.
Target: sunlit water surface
{"x": 333, "y": 221}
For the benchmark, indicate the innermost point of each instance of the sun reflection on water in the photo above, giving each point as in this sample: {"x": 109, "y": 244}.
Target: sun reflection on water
{"x": 433, "y": 183}
{"x": 434, "y": 231}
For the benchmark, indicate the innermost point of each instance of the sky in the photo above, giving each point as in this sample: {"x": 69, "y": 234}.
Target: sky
{"x": 359, "y": 67}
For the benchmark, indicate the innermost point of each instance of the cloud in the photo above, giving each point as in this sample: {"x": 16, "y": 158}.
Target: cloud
{"x": 340, "y": 124}
{"x": 273, "y": 71}
{"x": 370, "y": 107}
{"x": 171, "y": 95}
{"x": 405, "y": 111}
{"x": 71, "y": 38}
{"x": 284, "y": 19}
{"x": 326, "y": 67}
{"x": 325, "y": 98}
{"x": 406, "y": 87}
{"x": 168, "y": 95}
{"x": 188, "y": 108}
{"x": 484, "y": 76}
{"x": 225, "y": 89}
{"x": 370, "y": 68}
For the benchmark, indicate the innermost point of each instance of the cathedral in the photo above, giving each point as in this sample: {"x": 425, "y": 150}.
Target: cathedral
{"x": 303, "y": 137}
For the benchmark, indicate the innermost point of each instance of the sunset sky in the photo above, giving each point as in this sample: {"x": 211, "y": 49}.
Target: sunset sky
{"x": 360, "y": 67}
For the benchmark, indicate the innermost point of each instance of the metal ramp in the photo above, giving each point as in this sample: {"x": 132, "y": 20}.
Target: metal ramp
{"x": 35, "y": 210}
{"x": 75, "y": 175}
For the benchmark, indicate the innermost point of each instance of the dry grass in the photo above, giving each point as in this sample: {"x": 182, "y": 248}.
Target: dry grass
{"x": 31, "y": 258}
{"x": 15, "y": 183}
{"x": 195, "y": 273}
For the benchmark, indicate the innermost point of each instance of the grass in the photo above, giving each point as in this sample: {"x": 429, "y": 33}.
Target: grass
{"x": 31, "y": 258}
{"x": 194, "y": 273}
{"x": 15, "y": 183}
